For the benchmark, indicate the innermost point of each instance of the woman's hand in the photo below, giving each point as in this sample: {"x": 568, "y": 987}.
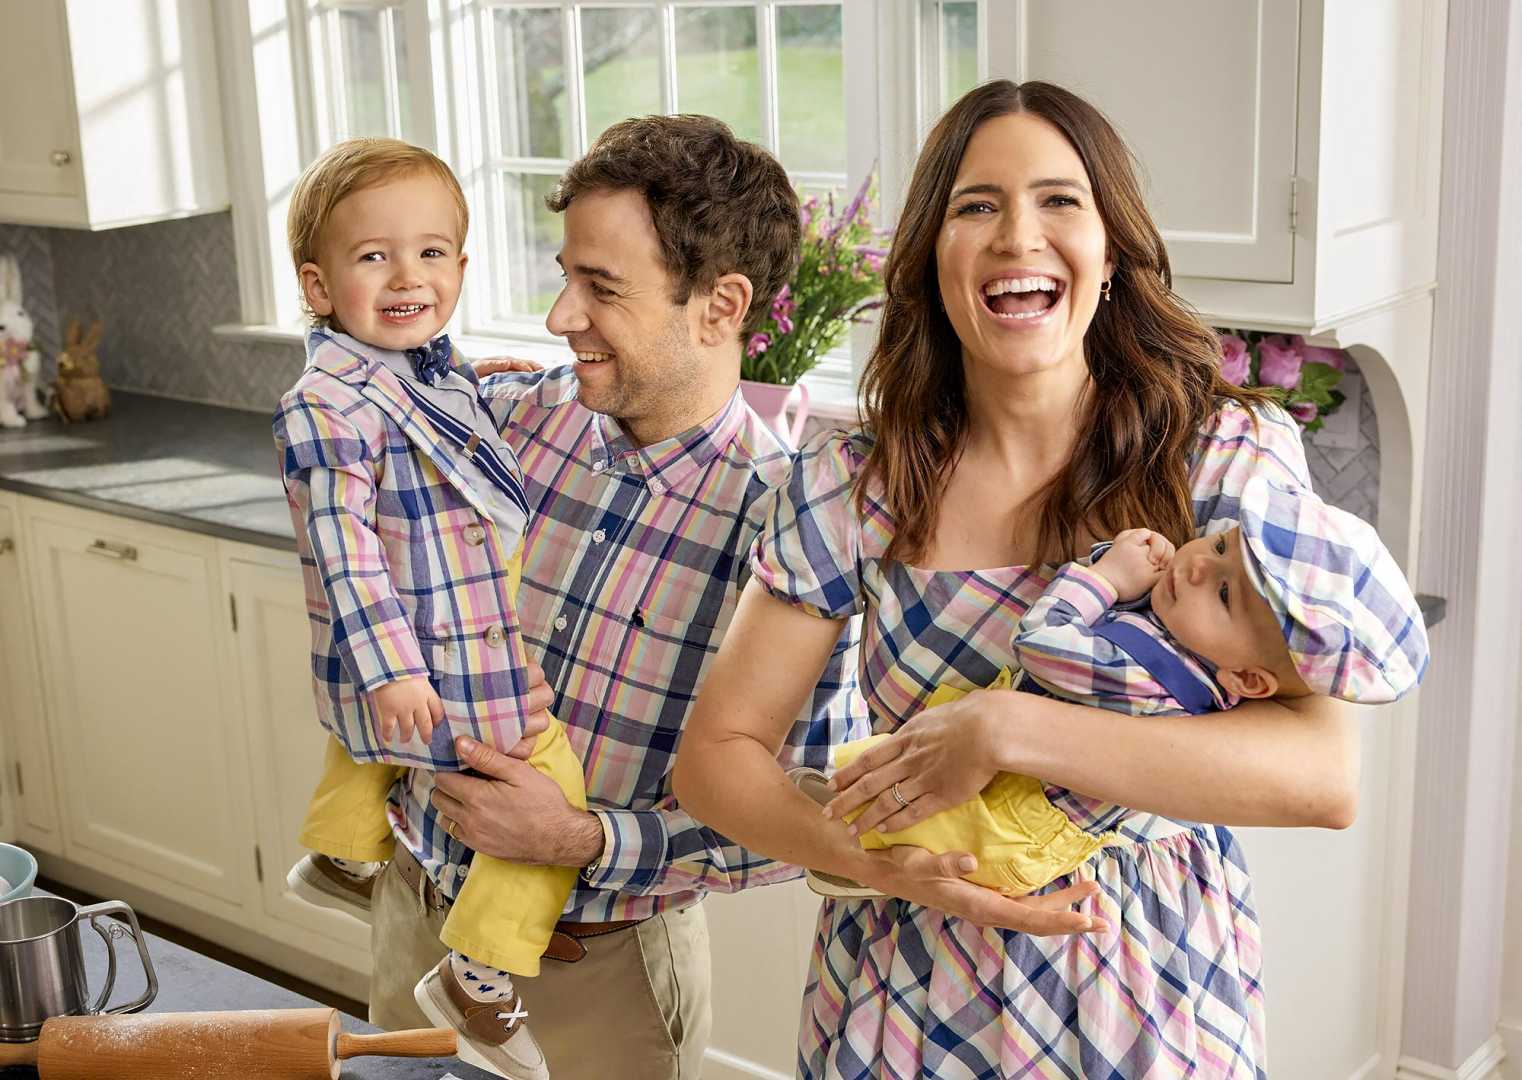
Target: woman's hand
{"x": 939, "y": 759}
{"x": 498, "y": 364}
{"x": 935, "y": 881}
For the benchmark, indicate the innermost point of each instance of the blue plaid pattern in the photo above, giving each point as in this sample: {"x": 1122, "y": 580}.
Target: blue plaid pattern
{"x": 633, "y": 564}
{"x": 901, "y": 991}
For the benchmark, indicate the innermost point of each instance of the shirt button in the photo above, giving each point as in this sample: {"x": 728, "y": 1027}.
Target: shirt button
{"x": 495, "y": 637}
{"x": 657, "y": 487}
{"x": 560, "y": 622}
{"x": 475, "y": 535}
{"x": 599, "y": 465}
{"x": 464, "y": 871}
{"x": 599, "y": 536}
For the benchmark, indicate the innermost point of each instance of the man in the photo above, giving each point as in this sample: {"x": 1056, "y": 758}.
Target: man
{"x": 648, "y": 479}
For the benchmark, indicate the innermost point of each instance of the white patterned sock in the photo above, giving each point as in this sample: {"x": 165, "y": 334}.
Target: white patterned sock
{"x": 359, "y": 871}
{"x": 481, "y": 982}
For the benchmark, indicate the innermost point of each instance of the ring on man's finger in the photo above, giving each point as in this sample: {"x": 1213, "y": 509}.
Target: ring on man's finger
{"x": 898, "y": 796}
{"x": 450, "y": 825}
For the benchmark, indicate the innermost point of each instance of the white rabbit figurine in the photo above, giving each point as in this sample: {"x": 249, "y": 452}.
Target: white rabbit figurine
{"x": 19, "y": 362}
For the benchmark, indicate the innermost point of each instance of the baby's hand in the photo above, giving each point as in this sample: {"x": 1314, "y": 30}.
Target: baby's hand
{"x": 499, "y": 364}
{"x": 408, "y": 704}
{"x": 1135, "y": 562}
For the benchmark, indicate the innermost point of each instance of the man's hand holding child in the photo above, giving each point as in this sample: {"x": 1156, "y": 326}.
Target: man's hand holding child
{"x": 1135, "y": 562}
{"x": 407, "y": 705}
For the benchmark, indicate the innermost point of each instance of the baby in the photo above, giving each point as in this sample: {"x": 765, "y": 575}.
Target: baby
{"x": 1299, "y": 598}
{"x": 410, "y": 516}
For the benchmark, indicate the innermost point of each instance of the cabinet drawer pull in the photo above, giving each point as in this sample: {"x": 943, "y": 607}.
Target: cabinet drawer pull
{"x": 7, "y": 545}
{"x": 113, "y": 551}
{"x": 62, "y": 158}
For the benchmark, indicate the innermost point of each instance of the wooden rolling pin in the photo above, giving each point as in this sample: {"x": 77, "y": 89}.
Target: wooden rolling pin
{"x": 265, "y": 1044}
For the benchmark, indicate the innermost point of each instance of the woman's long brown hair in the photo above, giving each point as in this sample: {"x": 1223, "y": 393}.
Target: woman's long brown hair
{"x": 1155, "y": 367}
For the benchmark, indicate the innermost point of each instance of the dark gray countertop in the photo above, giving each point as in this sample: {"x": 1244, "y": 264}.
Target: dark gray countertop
{"x": 190, "y": 982}
{"x": 196, "y": 467}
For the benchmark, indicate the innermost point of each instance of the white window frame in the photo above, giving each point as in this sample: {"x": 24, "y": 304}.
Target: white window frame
{"x": 276, "y": 115}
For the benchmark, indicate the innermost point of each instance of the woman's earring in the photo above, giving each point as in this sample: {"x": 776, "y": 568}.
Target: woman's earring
{"x": 1104, "y": 288}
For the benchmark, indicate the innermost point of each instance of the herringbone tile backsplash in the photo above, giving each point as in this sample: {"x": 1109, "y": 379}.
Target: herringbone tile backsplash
{"x": 161, "y": 288}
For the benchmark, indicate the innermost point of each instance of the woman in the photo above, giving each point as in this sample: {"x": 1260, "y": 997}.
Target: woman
{"x": 1036, "y": 386}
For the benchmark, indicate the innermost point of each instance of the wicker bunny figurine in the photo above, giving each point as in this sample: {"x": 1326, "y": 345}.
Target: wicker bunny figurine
{"x": 19, "y": 362}
{"x": 82, "y": 395}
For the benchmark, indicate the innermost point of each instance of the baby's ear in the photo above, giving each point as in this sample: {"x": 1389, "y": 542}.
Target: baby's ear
{"x": 1248, "y": 682}
{"x": 315, "y": 289}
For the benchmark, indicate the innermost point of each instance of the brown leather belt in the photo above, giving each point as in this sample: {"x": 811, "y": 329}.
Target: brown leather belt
{"x": 565, "y": 943}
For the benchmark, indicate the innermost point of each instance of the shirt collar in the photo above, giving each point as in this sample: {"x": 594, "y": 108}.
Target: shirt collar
{"x": 665, "y": 464}
{"x": 398, "y": 363}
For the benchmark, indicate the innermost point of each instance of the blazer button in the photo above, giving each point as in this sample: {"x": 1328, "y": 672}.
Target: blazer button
{"x": 475, "y": 535}
{"x": 495, "y": 637}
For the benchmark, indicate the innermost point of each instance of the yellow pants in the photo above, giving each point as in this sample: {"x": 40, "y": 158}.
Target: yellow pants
{"x": 505, "y": 912}
{"x": 1021, "y": 841}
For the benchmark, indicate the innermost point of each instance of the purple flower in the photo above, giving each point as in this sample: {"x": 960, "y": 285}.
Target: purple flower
{"x": 757, "y": 345}
{"x": 1303, "y": 411}
{"x": 1279, "y": 362}
{"x": 1315, "y": 354}
{"x": 782, "y": 304}
{"x": 784, "y": 324}
{"x": 1235, "y": 363}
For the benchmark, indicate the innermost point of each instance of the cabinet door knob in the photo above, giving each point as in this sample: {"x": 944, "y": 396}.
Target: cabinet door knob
{"x": 7, "y": 545}
{"x": 113, "y": 551}
{"x": 62, "y": 158}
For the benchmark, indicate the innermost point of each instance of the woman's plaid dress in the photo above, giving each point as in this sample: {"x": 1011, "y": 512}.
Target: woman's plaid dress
{"x": 897, "y": 990}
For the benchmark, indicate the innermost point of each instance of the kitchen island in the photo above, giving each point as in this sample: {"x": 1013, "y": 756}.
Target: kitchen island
{"x": 190, "y": 982}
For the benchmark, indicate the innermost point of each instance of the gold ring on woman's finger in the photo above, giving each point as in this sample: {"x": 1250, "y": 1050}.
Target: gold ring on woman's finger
{"x": 898, "y": 796}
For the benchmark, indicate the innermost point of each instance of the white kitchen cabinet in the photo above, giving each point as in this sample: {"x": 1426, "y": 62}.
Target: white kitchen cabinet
{"x": 111, "y": 113}
{"x": 272, "y": 642}
{"x": 1289, "y": 150}
{"x": 155, "y": 788}
{"x": 31, "y": 800}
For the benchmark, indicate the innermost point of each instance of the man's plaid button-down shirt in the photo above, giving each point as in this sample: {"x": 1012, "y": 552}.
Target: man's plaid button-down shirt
{"x": 634, "y": 560}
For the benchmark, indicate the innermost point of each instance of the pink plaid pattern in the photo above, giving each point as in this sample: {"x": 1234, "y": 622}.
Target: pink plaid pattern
{"x": 397, "y": 584}
{"x": 900, "y": 991}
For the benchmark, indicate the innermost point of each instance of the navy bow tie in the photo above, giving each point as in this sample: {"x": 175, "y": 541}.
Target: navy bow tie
{"x": 431, "y": 361}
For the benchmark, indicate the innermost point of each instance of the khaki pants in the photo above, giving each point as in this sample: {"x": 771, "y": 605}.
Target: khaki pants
{"x": 638, "y": 1006}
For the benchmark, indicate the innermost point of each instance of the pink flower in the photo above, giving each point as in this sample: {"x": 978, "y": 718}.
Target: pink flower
{"x": 1303, "y": 411}
{"x": 784, "y": 324}
{"x": 783, "y": 305}
{"x": 1279, "y": 362}
{"x": 874, "y": 262}
{"x": 757, "y": 345}
{"x": 1235, "y": 363}
{"x": 1315, "y": 354}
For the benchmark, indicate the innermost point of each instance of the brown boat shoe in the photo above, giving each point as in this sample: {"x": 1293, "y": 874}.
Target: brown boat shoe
{"x": 494, "y": 1035}
{"x": 316, "y": 880}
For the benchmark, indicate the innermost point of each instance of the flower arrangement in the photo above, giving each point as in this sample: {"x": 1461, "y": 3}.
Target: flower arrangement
{"x": 838, "y": 280}
{"x": 1303, "y": 377}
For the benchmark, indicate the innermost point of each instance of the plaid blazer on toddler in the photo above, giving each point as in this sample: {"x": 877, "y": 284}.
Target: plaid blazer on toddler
{"x": 406, "y": 572}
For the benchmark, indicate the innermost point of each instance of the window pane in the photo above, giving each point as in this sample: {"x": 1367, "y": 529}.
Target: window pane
{"x": 959, "y": 50}
{"x": 531, "y": 90}
{"x": 530, "y": 279}
{"x": 403, "y": 84}
{"x": 811, "y": 116}
{"x": 363, "y": 73}
{"x": 717, "y": 68}
{"x": 621, "y": 54}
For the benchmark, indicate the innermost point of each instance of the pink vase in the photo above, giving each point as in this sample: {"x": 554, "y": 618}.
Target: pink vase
{"x": 771, "y": 402}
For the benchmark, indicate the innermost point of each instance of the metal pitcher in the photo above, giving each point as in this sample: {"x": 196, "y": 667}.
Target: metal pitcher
{"x": 42, "y": 970}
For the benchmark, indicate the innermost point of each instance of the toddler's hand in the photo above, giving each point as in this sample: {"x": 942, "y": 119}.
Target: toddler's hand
{"x": 1135, "y": 562}
{"x": 498, "y": 364}
{"x": 407, "y": 705}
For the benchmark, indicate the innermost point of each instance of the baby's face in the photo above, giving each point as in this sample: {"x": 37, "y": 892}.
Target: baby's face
{"x": 1208, "y": 603}
{"x": 390, "y": 266}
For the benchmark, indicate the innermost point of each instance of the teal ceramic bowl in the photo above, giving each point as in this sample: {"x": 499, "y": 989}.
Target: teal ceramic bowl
{"x": 19, "y": 868}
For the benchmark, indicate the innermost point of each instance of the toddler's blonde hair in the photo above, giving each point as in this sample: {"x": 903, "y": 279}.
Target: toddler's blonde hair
{"x": 350, "y": 166}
